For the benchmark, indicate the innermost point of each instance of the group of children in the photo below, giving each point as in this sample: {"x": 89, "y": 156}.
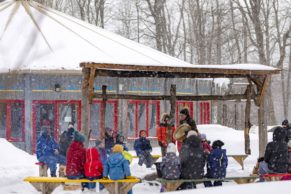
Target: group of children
{"x": 194, "y": 154}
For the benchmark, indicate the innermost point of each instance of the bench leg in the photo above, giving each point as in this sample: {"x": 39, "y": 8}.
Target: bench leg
{"x": 118, "y": 188}
{"x": 244, "y": 181}
{"x": 45, "y": 188}
{"x": 43, "y": 170}
{"x": 172, "y": 186}
{"x": 240, "y": 160}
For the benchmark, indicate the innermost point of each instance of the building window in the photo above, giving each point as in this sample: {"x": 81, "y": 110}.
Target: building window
{"x": 142, "y": 115}
{"x": 12, "y": 120}
{"x": 111, "y": 116}
{"x": 204, "y": 112}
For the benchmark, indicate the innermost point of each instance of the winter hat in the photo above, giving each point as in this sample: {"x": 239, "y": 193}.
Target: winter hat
{"x": 171, "y": 148}
{"x": 285, "y": 122}
{"x": 79, "y": 137}
{"x": 185, "y": 111}
{"x": 217, "y": 144}
{"x": 190, "y": 133}
{"x": 203, "y": 136}
{"x": 117, "y": 148}
{"x": 141, "y": 131}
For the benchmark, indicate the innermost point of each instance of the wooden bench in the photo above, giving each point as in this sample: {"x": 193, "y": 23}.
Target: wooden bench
{"x": 155, "y": 157}
{"x": 46, "y": 185}
{"x": 172, "y": 185}
{"x": 239, "y": 158}
{"x": 276, "y": 177}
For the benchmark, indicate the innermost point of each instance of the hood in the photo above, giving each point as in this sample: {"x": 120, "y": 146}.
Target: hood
{"x": 115, "y": 159}
{"x": 92, "y": 154}
{"x": 193, "y": 141}
{"x": 279, "y": 134}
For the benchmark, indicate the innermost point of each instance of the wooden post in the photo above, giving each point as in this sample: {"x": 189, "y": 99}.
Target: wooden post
{"x": 104, "y": 99}
{"x": 173, "y": 101}
{"x": 85, "y": 104}
{"x": 248, "y": 119}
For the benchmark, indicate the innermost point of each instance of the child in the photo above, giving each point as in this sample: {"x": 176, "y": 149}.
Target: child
{"x": 102, "y": 151}
{"x": 206, "y": 147}
{"x": 143, "y": 149}
{"x": 171, "y": 165}
{"x": 260, "y": 168}
{"x": 93, "y": 166}
{"x": 116, "y": 166}
{"x": 121, "y": 140}
{"x": 216, "y": 164}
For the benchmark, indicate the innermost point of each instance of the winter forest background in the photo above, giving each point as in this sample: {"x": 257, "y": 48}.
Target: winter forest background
{"x": 203, "y": 32}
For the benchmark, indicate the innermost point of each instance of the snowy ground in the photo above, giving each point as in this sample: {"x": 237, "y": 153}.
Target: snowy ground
{"x": 16, "y": 164}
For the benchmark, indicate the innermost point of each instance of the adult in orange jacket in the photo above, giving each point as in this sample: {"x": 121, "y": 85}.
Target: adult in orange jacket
{"x": 165, "y": 133}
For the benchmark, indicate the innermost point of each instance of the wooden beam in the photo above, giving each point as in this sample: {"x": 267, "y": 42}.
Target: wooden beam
{"x": 103, "y": 112}
{"x": 264, "y": 88}
{"x": 248, "y": 124}
{"x": 85, "y": 104}
{"x": 158, "y": 74}
{"x": 168, "y": 97}
{"x": 91, "y": 85}
{"x": 173, "y": 101}
{"x": 174, "y": 69}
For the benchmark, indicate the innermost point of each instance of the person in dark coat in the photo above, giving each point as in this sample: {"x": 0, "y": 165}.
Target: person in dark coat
{"x": 143, "y": 148}
{"x": 109, "y": 140}
{"x": 192, "y": 160}
{"x": 286, "y": 126}
{"x": 47, "y": 151}
{"x": 120, "y": 139}
{"x": 66, "y": 139}
{"x": 76, "y": 157}
{"x": 289, "y": 156}
{"x": 171, "y": 165}
{"x": 276, "y": 154}
{"x": 184, "y": 117}
{"x": 165, "y": 133}
{"x": 217, "y": 162}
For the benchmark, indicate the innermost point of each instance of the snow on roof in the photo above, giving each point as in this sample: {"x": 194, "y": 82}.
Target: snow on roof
{"x": 33, "y": 37}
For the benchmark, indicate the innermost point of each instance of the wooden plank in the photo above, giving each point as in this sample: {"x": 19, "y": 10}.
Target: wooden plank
{"x": 91, "y": 85}
{"x": 168, "y": 97}
{"x": 121, "y": 67}
{"x": 103, "y": 112}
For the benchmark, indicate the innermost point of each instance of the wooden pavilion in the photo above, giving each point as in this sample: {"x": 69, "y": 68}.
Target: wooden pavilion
{"x": 257, "y": 76}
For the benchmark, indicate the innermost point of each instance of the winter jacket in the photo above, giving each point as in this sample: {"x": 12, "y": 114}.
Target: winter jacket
{"x": 171, "y": 166}
{"x": 103, "y": 155}
{"x": 276, "y": 154}
{"x": 65, "y": 141}
{"x": 206, "y": 147}
{"x": 45, "y": 146}
{"x": 109, "y": 142}
{"x": 76, "y": 158}
{"x": 165, "y": 134}
{"x": 142, "y": 145}
{"x": 116, "y": 167}
{"x": 289, "y": 160}
{"x": 93, "y": 166}
{"x": 192, "y": 158}
{"x": 217, "y": 163}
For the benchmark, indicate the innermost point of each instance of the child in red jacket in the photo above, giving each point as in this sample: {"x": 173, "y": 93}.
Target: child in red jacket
{"x": 93, "y": 166}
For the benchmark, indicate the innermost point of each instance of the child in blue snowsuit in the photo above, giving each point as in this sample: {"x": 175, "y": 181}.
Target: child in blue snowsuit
{"x": 216, "y": 164}
{"x": 47, "y": 151}
{"x": 116, "y": 166}
{"x": 143, "y": 148}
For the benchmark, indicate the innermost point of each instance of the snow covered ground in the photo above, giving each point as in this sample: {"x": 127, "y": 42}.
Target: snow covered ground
{"x": 16, "y": 164}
